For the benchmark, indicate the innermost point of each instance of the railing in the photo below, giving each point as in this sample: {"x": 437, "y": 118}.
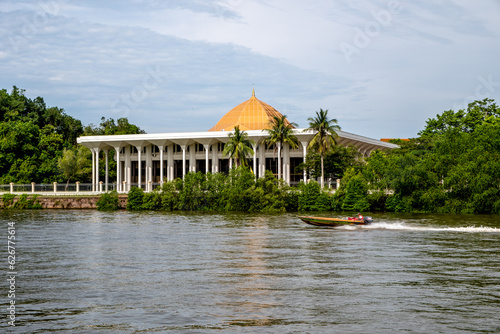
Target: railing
{"x": 55, "y": 188}
{"x": 73, "y": 188}
{"x": 87, "y": 188}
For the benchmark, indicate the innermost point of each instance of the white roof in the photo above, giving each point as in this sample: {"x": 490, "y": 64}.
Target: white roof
{"x": 212, "y": 137}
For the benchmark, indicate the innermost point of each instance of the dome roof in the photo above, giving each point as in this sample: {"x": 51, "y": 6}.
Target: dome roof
{"x": 252, "y": 114}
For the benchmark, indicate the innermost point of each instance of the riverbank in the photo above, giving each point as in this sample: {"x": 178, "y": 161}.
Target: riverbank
{"x": 61, "y": 202}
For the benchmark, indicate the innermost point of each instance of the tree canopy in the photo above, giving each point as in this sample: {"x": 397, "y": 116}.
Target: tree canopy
{"x": 453, "y": 166}
{"x": 280, "y": 132}
{"x": 238, "y": 147}
{"x": 324, "y": 138}
{"x": 34, "y": 137}
{"x": 109, "y": 127}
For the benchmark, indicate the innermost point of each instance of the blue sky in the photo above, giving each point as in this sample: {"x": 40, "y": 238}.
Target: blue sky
{"x": 381, "y": 68}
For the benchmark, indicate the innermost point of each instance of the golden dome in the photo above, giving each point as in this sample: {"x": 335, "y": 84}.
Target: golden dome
{"x": 252, "y": 114}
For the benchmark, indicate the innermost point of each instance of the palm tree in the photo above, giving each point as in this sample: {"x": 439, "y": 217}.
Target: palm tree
{"x": 324, "y": 137}
{"x": 281, "y": 132}
{"x": 239, "y": 146}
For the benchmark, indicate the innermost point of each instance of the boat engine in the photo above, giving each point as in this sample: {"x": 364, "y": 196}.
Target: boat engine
{"x": 367, "y": 220}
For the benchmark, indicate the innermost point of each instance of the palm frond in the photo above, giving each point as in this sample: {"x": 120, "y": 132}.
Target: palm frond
{"x": 239, "y": 146}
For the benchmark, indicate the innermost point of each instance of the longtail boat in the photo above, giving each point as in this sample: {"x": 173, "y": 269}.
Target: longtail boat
{"x": 325, "y": 221}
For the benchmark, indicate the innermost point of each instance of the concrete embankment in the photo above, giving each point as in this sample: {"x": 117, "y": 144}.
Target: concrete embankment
{"x": 69, "y": 202}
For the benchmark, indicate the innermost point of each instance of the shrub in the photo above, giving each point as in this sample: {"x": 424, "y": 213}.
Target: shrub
{"x": 291, "y": 198}
{"x": 496, "y": 207}
{"x": 356, "y": 195}
{"x": 108, "y": 201}
{"x": 23, "y": 203}
{"x": 433, "y": 199}
{"x": 191, "y": 192}
{"x": 239, "y": 193}
{"x": 377, "y": 200}
{"x": 28, "y": 204}
{"x": 398, "y": 203}
{"x": 313, "y": 198}
{"x": 8, "y": 200}
{"x": 135, "y": 199}
{"x": 169, "y": 197}
{"x": 152, "y": 201}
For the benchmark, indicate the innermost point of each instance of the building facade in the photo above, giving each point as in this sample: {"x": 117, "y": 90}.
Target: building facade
{"x": 146, "y": 160}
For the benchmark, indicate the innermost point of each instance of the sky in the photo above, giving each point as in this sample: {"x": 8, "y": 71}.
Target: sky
{"x": 381, "y": 67}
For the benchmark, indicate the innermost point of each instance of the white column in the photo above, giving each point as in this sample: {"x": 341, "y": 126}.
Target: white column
{"x": 183, "y": 147}
{"x": 118, "y": 175}
{"x": 139, "y": 165}
{"x": 215, "y": 158}
{"x": 128, "y": 167}
{"x": 107, "y": 170}
{"x": 255, "y": 160}
{"x": 207, "y": 148}
{"x": 304, "y": 145}
{"x": 286, "y": 164}
{"x": 97, "y": 169}
{"x": 192, "y": 158}
{"x": 161, "y": 148}
{"x": 93, "y": 169}
{"x": 149, "y": 163}
{"x": 230, "y": 163}
{"x": 170, "y": 162}
{"x": 262, "y": 160}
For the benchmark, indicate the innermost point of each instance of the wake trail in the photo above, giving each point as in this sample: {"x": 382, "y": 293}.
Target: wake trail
{"x": 408, "y": 227}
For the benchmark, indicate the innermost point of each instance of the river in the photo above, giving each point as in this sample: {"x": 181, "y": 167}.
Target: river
{"x": 123, "y": 272}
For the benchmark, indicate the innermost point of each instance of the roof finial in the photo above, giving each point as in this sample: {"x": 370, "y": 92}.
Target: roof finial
{"x": 253, "y": 91}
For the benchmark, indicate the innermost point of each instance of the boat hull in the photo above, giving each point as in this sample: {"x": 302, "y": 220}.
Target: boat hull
{"x": 325, "y": 221}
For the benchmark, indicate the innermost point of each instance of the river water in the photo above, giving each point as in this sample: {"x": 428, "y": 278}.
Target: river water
{"x": 122, "y": 272}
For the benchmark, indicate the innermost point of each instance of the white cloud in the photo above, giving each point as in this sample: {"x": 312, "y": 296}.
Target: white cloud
{"x": 408, "y": 66}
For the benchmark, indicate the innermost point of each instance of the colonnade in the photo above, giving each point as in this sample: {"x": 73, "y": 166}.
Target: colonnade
{"x": 145, "y": 152}
{"x": 175, "y": 149}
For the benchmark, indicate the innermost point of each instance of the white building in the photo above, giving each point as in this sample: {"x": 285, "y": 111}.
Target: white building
{"x": 145, "y": 160}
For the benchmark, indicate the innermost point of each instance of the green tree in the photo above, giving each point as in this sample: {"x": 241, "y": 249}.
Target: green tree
{"x": 239, "y": 147}
{"x": 356, "y": 194}
{"x": 281, "y": 132}
{"x": 336, "y": 162}
{"x": 109, "y": 127}
{"x": 462, "y": 120}
{"x": 73, "y": 164}
{"x": 324, "y": 137}
{"x": 32, "y": 138}
{"x": 18, "y": 145}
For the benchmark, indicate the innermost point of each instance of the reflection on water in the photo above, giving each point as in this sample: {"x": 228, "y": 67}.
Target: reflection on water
{"x": 245, "y": 274}
{"x": 88, "y": 272}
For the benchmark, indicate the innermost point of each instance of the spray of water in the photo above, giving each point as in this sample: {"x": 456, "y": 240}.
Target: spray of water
{"x": 402, "y": 226}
